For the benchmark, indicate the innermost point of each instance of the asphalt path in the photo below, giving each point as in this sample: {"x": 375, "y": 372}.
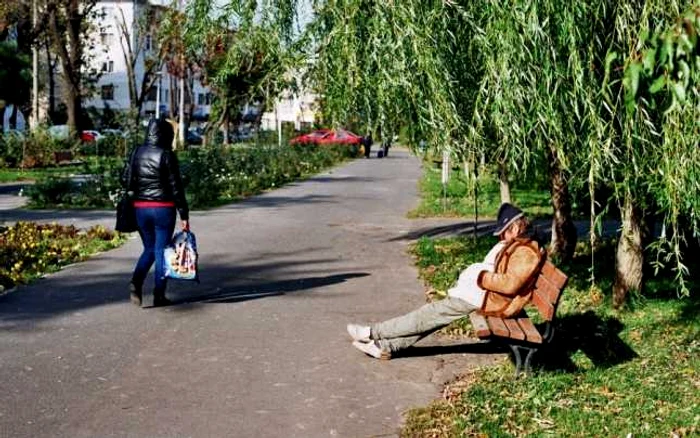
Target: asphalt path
{"x": 259, "y": 348}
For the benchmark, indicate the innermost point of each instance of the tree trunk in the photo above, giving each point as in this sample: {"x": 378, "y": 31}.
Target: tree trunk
{"x": 73, "y": 105}
{"x": 173, "y": 98}
{"x": 564, "y": 234}
{"x": 227, "y": 126}
{"x": 630, "y": 254}
{"x": 52, "y": 81}
{"x": 68, "y": 43}
{"x": 503, "y": 183}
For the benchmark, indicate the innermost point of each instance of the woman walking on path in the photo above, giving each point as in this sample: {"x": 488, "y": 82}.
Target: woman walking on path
{"x": 157, "y": 192}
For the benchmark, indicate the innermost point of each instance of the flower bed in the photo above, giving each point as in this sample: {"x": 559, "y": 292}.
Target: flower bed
{"x": 29, "y": 250}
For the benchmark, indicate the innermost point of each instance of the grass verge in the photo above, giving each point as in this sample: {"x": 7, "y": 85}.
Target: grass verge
{"x": 458, "y": 198}
{"x": 16, "y": 175}
{"x": 29, "y": 250}
{"x": 607, "y": 373}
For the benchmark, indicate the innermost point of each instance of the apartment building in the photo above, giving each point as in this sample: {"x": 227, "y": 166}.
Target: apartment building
{"x": 123, "y": 34}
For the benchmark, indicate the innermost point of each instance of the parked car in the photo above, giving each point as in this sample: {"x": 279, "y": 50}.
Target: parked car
{"x": 193, "y": 137}
{"x": 90, "y": 136}
{"x": 114, "y": 133}
{"x": 327, "y": 136}
{"x": 242, "y": 134}
{"x": 59, "y": 132}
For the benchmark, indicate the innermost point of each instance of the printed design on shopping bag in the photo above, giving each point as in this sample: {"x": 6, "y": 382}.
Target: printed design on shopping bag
{"x": 181, "y": 257}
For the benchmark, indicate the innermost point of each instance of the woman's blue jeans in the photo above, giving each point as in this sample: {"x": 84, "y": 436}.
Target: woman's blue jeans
{"x": 156, "y": 226}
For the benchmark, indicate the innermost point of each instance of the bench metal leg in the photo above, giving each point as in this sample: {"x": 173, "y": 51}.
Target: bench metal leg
{"x": 517, "y": 353}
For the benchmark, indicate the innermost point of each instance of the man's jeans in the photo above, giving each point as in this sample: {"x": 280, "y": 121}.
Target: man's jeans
{"x": 404, "y": 331}
{"x": 156, "y": 226}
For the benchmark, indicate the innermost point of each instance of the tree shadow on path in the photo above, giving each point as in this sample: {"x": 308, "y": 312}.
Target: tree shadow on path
{"x": 79, "y": 288}
{"x": 266, "y": 289}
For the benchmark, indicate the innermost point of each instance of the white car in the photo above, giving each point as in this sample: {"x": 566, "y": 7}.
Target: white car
{"x": 59, "y": 132}
{"x": 114, "y": 133}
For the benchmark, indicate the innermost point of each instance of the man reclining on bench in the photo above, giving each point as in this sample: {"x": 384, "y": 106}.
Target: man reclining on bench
{"x": 499, "y": 286}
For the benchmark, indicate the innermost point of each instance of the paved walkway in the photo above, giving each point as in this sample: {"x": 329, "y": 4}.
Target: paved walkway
{"x": 11, "y": 196}
{"x": 259, "y": 348}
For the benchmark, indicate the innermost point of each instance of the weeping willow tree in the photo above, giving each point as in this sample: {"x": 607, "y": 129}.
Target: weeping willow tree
{"x": 657, "y": 122}
{"x": 532, "y": 83}
{"x": 386, "y": 64}
{"x": 563, "y": 80}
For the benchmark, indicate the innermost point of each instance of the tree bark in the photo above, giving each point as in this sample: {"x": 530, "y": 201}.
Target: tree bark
{"x": 564, "y": 234}
{"x": 52, "y": 81}
{"x": 503, "y": 183}
{"x": 227, "y": 126}
{"x": 629, "y": 261}
{"x": 66, "y": 28}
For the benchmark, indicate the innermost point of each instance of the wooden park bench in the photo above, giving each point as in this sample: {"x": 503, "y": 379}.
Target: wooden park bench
{"x": 519, "y": 332}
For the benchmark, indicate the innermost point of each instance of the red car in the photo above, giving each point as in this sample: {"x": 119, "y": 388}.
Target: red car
{"x": 327, "y": 136}
{"x": 90, "y": 136}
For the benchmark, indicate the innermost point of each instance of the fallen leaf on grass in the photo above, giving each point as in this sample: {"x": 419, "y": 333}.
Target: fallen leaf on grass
{"x": 544, "y": 423}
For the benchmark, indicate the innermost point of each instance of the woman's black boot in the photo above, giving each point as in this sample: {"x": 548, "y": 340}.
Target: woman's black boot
{"x": 135, "y": 294}
{"x": 159, "y": 299}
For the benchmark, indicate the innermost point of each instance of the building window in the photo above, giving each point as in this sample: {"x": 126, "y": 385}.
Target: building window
{"x": 147, "y": 43}
{"x": 108, "y": 92}
{"x": 108, "y": 66}
{"x": 107, "y": 39}
{"x": 201, "y": 98}
{"x": 152, "y": 94}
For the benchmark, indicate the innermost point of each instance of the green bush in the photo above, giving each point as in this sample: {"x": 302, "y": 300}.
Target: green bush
{"x": 218, "y": 175}
{"x": 51, "y": 192}
{"x": 213, "y": 176}
{"x": 98, "y": 189}
{"x": 34, "y": 150}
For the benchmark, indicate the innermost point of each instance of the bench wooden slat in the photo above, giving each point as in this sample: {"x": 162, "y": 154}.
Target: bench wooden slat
{"x": 547, "y": 289}
{"x": 480, "y": 325}
{"x": 531, "y": 333}
{"x": 515, "y": 331}
{"x": 554, "y": 275}
{"x": 542, "y": 303}
{"x": 498, "y": 327}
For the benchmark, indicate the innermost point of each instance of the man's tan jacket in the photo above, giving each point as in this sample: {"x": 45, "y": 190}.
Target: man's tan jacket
{"x": 509, "y": 287}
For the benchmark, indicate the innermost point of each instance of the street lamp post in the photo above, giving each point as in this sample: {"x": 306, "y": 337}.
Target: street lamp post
{"x": 160, "y": 77}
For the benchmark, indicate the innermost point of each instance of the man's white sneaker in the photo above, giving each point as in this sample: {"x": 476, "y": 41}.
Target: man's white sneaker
{"x": 372, "y": 349}
{"x": 359, "y": 332}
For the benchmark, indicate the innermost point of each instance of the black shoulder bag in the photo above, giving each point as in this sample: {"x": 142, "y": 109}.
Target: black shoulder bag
{"x": 126, "y": 213}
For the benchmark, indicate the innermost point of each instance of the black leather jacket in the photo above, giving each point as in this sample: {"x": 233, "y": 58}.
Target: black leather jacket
{"x": 155, "y": 172}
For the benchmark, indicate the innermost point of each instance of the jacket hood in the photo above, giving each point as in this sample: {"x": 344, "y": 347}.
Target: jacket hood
{"x": 159, "y": 134}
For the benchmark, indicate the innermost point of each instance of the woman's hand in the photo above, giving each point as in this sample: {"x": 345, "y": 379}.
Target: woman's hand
{"x": 185, "y": 225}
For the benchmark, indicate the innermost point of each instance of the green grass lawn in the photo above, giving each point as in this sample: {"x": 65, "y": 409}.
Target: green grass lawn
{"x": 15, "y": 175}
{"x": 458, "y": 199}
{"x": 607, "y": 373}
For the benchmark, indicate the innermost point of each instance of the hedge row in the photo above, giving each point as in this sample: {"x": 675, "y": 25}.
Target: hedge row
{"x": 213, "y": 176}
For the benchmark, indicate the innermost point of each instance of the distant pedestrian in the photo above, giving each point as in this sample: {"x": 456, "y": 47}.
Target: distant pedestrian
{"x": 386, "y": 144}
{"x": 367, "y": 143}
{"x": 158, "y": 192}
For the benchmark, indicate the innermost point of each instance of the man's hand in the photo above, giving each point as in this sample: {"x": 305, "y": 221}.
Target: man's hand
{"x": 185, "y": 225}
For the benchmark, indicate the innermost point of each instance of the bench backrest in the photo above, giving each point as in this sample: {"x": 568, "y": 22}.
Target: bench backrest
{"x": 548, "y": 288}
